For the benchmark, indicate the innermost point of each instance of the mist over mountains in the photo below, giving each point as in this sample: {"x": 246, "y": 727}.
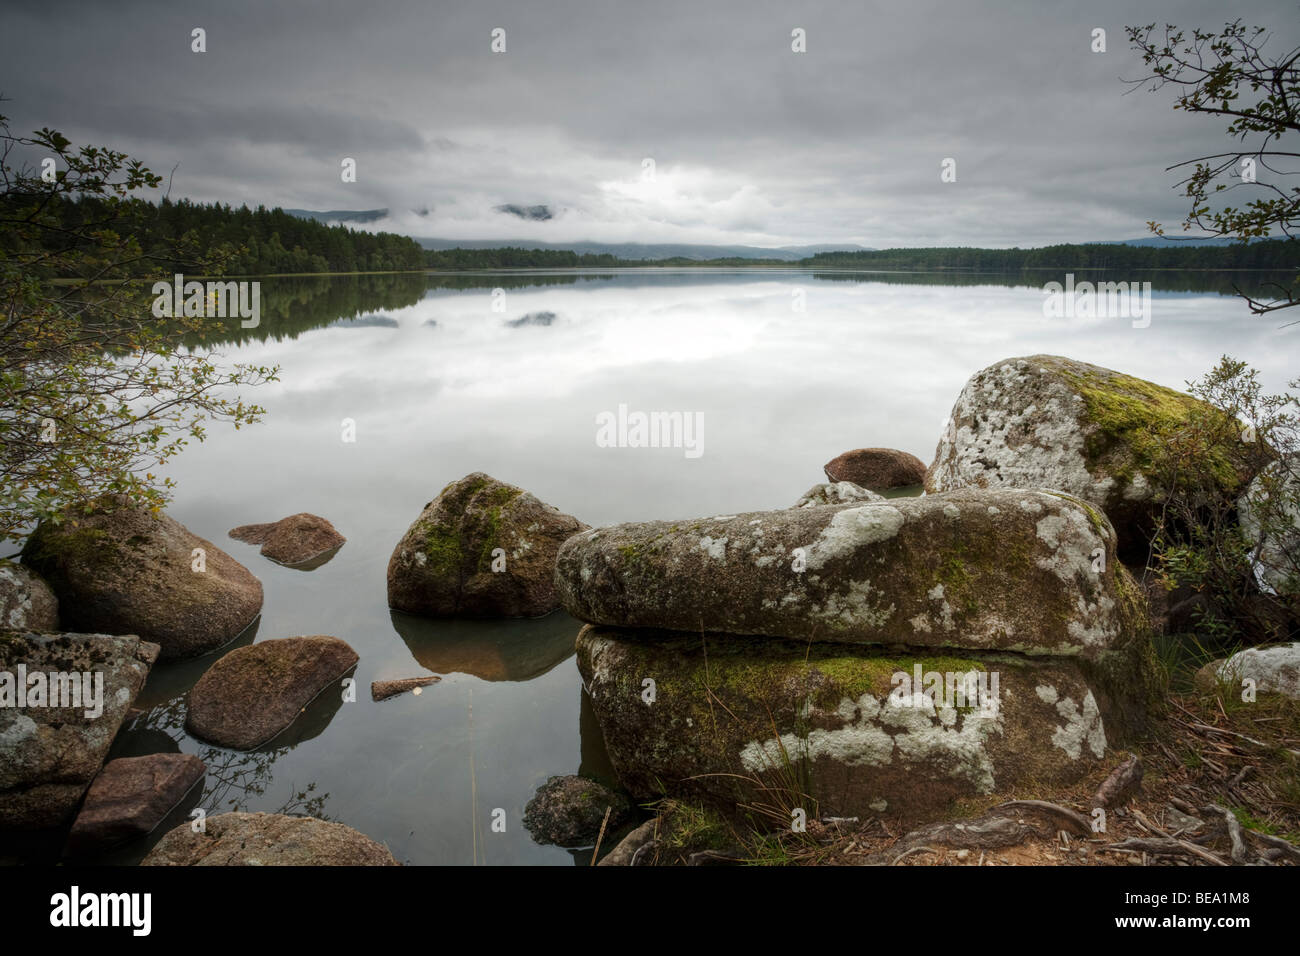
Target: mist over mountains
{"x": 638, "y": 250}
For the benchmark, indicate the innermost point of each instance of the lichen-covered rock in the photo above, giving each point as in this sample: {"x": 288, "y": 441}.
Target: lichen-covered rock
{"x": 253, "y": 693}
{"x": 482, "y": 548}
{"x": 26, "y": 602}
{"x": 128, "y": 571}
{"x": 1044, "y": 421}
{"x": 835, "y": 729}
{"x": 568, "y": 811}
{"x": 299, "y": 541}
{"x": 1275, "y": 670}
{"x": 1028, "y": 571}
{"x": 876, "y": 468}
{"x": 1270, "y": 510}
{"x": 267, "y": 839}
{"x": 836, "y": 493}
{"x": 49, "y": 754}
{"x": 130, "y": 797}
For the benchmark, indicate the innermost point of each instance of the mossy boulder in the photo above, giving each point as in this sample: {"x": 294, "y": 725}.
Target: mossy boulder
{"x": 121, "y": 569}
{"x": 304, "y": 541}
{"x": 876, "y": 468}
{"x": 1027, "y": 571}
{"x": 49, "y": 754}
{"x": 836, "y": 493}
{"x": 1045, "y": 421}
{"x": 737, "y": 721}
{"x": 253, "y": 693}
{"x": 482, "y": 548}
{"x": 267, "y": 839}
{"x": 568, "y": 811}
{"x": 27, "y": 603}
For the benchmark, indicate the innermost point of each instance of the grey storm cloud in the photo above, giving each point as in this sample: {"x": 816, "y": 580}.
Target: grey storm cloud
{"x": 751, "y": 142}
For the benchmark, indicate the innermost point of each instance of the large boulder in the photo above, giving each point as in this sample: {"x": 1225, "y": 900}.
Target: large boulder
{"x": 49, "y": 754}
{"x": 1027, "y": 571}
{"x": 130, "y": 797}
{"x": 123, "y": 570}
{"x": 253, "y": 693}
{"x": 482, "y": 548}
{"x": 1044, "y": 421}
{"x": 26, "y": 602}
{"x": 267, "y": 839}
{"x": 302, "y": 541}
{"x": 876, "y": 468}
{"x": 840, "y": 730}
{"x": 569, "y": 811}
{"x": 1269, "y": 513}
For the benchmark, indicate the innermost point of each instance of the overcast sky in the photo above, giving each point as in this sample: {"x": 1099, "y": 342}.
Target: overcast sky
{"x": 752, "y": 143}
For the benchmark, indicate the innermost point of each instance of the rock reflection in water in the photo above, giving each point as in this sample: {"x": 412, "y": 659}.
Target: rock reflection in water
{"x": 489, "y": 650}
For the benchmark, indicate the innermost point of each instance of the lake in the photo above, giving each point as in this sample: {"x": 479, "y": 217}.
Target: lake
{"x": 441, "y": 378}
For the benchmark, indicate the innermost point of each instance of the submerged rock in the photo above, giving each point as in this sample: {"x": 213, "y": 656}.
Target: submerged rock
{"x": 836, "y": 493}
{"x": 130, "y": 797}
{"x": 49, "y": 754}
{"x": 1269, "y": 512}
{"x": 482, "y": 548}
{"x": 1027, "y": 571}
{"x": 300, "y": 540}
{"x": 840, "y": 730}
{"x": 267, "y": 839}
{"x": 26, "y": 602}
{"x": 876, "y": 468}
{"x": 384, "y": 689}
{"x": 1045, "y": 421}
{"x": 253, "y": 693}
{"x": 127, "y": 571}
{"x": 567, "y": 811}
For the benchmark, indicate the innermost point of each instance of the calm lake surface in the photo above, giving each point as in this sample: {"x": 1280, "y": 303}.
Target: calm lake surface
{"x": 440, "y": 385}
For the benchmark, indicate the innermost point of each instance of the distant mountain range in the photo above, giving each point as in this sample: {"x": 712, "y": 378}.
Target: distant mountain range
{"x": 639, "y": 250}
{"x": 1158, "y": 241}
{"x": 340, "y": 215}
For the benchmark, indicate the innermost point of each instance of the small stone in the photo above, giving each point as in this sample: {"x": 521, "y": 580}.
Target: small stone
{"x": 302, "y": 541}
{"x": 836, "y": 493}
{"x": 1175, "y": 819}
{"x": 568, "y": 810}
{"x": 384, "y": 689}
{"x": 963, "y": 855}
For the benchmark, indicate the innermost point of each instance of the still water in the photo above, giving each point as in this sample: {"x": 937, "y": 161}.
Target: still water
{"x": 442, "y": 377}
